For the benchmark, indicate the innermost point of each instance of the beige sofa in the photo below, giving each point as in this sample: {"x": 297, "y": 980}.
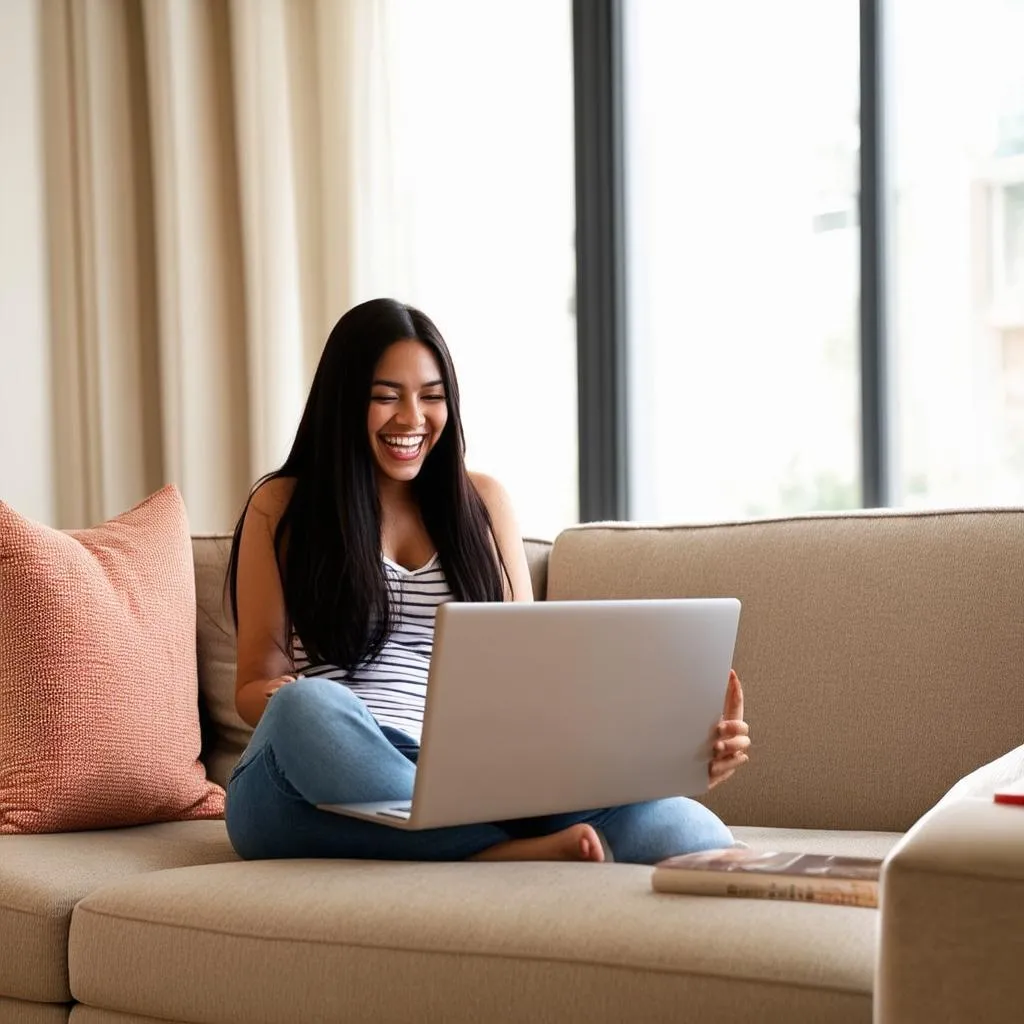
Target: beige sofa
{"x": 881, "y": 656}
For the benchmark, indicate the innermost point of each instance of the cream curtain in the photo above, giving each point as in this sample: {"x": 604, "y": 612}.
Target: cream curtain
{"x": 217, "y": 179}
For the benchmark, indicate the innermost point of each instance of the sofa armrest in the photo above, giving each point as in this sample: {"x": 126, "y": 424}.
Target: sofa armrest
{"x": 952, "y": 918}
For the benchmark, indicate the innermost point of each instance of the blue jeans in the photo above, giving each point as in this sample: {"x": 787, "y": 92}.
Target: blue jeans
{"x": 317, "y": 743}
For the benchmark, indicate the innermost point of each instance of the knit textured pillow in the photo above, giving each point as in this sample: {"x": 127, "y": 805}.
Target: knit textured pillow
{"x": 99, "y": 721}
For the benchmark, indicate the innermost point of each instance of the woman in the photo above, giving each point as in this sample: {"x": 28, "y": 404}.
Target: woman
{"x": 338, "y": 563}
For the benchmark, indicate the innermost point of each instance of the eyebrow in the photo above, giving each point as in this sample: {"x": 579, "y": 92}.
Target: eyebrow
{"x": 398, "y": 387}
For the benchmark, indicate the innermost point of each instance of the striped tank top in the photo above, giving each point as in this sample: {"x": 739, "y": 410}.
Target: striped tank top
{"x": 394, "y": 685}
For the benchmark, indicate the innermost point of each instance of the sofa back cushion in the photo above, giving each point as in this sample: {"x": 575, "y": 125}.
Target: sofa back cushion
{"x": 880, "y": 653}
{"x": 224, "y": 733}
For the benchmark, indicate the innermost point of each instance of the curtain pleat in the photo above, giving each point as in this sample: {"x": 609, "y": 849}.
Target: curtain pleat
{"x": 202, "y": 335}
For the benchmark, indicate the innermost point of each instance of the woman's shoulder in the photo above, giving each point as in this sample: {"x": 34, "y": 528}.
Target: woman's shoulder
{"x": 494, "y": 497}
{"x": 488, "y": 488}
{"x": 271, "y": 497}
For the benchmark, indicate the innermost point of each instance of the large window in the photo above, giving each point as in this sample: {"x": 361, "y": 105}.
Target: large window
{"x": 957, "y": 307}
{"x": 741, "y": 147}
{"x": 481, "y": 136}
{"x": 822, "y": 206}
{"x": 732, "y": 220}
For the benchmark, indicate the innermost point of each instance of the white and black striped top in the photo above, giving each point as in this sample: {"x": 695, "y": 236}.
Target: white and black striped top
{"x": 394, "y": 685}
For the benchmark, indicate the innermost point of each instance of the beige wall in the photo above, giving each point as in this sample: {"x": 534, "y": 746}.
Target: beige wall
{"x": 25, "y": 431}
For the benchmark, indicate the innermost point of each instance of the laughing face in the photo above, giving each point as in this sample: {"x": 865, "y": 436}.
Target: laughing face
{"x": 408, "y": 409}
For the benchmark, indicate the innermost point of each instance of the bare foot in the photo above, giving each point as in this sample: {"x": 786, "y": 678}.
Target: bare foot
{"x": 577, "y": 842}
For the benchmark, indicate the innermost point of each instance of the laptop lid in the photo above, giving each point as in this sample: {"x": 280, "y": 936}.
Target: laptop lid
{"x": 564, "y": 706}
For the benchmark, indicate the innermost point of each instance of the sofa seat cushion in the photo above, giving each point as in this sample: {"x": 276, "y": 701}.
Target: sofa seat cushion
{"x": 320, "y": 940}
{"x": 42, "y": 877}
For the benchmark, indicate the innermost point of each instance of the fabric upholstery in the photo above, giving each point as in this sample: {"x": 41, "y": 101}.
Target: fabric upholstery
{"x": 809, "y": 840}
{"x": 98, "y": 716}
{"x": 42, "y": 877}
{"x": 90, "y": 1015}
{"x": 870, "y": 647}
{"x": 952, "y": 940}
{"x": 329, "y": 940}
{"x": 227, "y": 735}
{"x": 18, "y": 1011}
{"x": 537, "y": 554}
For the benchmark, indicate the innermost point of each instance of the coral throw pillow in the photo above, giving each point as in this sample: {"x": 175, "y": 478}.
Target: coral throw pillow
{"x": 99, "y": 721}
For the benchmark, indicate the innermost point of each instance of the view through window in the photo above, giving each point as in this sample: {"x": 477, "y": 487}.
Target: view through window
{"x": 741, "y": 169}
{"x": 741, "y": 148}
{"x": 483, "y": 170}
{"x": 957, "y": 263}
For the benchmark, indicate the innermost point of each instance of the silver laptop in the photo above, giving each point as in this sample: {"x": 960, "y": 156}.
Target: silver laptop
{"x": 565, "y": 706}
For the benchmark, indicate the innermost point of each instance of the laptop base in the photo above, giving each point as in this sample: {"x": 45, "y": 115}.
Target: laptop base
{"x": 396, "y": 813}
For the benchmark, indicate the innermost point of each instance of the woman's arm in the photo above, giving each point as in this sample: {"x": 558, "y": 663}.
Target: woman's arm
{"x": 263, "y": 664}
{"x": 506, "y": 535}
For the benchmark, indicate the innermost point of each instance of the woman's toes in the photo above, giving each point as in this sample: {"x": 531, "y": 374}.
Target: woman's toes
{"x": 590, "y": 845}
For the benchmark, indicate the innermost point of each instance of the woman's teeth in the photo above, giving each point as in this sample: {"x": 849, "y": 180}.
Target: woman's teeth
{"x": 406, "y": 447}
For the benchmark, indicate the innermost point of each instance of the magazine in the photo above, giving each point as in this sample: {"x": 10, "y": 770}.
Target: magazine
{"x": 807, "y": 877}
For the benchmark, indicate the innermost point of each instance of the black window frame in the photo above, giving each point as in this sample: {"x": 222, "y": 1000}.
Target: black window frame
{"x": 602, "y": 355}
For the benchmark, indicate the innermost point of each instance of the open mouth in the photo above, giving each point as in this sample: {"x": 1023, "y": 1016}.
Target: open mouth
{"x": 404, "y": 447}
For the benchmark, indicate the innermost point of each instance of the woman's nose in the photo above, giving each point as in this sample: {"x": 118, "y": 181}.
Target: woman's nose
{"x": 410, "y": 413}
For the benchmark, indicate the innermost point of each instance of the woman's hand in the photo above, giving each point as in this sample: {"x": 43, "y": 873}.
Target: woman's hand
{"x": 730, "y": 746}
{"x": 251, "y": 698}
{"x": 274, "y": 685}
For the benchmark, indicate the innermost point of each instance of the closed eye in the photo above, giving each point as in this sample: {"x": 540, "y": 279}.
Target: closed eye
{"x": 394, "y": 398}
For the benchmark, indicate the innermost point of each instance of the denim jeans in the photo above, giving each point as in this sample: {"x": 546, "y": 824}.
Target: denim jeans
{"x": 317, "y": 743}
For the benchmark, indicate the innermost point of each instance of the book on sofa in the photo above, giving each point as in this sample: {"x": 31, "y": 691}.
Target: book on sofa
{"x": 807, "y": 877}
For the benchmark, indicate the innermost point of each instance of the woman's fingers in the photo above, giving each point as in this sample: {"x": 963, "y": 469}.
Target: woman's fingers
{"x": 733, "y": 745}
{"x": 727, "y": 728}
{"x": 276, "y": 684}
{"x": 719, "y": 771}
{"x": 733, "y": 698}
{"x": 721, "y": 767}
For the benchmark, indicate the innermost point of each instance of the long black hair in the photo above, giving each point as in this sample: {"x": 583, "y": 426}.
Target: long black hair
{"x": 328, "y": 540}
